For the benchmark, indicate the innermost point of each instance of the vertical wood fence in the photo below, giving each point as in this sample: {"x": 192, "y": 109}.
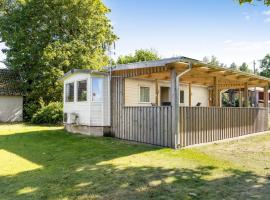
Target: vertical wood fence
{"x": 153, "y": 124}
{"x": 207, "y": 124}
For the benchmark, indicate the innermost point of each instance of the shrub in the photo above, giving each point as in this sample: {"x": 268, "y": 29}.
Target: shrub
{"x": 50, "y": 114}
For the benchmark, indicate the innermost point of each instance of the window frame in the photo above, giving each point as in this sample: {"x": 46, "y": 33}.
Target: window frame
{"x": 102, "y": 91}
{"x": 144, "y": 86}
{"x": 180, "y": 96}
{"x": 77, "y": 90}
{"x": 66, "y": 101}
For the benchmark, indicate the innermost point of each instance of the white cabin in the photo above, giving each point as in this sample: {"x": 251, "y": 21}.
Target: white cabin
{"x": 86, "y": 101}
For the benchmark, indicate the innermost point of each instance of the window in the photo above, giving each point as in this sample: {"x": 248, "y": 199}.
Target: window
{"x": 144, "y": 94}
{"x": 182, "y": 96}
{"x": 97, "y": 89}
{"x": 65, "y": 118}
{"x": 82, "y": 90}
{"x": 70, "y": 92}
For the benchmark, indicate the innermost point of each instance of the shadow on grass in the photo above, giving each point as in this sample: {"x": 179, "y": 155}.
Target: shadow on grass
{"x": 73, "y": 167}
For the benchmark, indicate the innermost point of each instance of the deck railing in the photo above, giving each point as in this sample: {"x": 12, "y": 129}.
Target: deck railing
{"x": 208, "y": 124}
{"x": 153, "y": 125}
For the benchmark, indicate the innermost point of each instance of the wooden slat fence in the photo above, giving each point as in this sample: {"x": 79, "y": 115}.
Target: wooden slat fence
{"x": 207, "y": 124}
{"x": 152, "y": 125}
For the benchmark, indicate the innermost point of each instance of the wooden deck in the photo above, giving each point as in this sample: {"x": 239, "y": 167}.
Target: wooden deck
{"x": 154, "y": 124}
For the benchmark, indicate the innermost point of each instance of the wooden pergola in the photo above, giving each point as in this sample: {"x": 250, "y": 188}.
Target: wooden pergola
{"x": 216, "y": 78}
{"x": 190, "y": 71}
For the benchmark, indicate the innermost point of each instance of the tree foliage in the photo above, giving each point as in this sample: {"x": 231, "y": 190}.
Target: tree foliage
{"x": 46, "y": 38}
{"x": 213, "y": 61}
{"x": 265, "y": 66}
{"x": 233, "y": 66}
{"x": 138, "y": 56}
{"x": 266, "y": 2}
{"x": 244, "y": 68}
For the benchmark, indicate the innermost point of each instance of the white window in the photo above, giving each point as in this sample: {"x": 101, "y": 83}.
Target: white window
{"x": 69, "y": 92}
{"x": 97, "y": 89}
{"x": 182, "y": 96}
{"x": 82, "y": 90}
{"x": 144, "y": 94}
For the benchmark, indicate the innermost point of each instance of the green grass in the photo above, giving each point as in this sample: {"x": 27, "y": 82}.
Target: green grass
{"x": 48, "y": 163}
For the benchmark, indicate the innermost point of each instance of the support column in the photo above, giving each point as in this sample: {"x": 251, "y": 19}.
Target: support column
{"x": 189, "y": 94}
{"x": 246, "y": 95}
{"x": 240, "y": 98}
{"x": 175, "y": 107}
{"x": 266, "y": 96}
{"x": 157, "y": 91}
{"x": 215, "y": 93}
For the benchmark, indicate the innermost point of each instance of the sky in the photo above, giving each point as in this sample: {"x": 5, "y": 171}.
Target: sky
{"x": 192, "y": 28}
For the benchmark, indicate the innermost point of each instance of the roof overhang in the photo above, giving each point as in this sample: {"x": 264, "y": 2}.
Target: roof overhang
{"x": 81, "y": 71}
{"x": 201, "y": 72}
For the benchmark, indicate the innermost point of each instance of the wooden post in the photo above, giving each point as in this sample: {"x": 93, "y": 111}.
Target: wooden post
{"x": 246, "y": 95}
{"x": 175, "y": 107}
{"x": 190, "y": 94}
{"x": 240, "y": 98}
{"x": 215, "y": 95}
{"x": 266, "y": 96}
{"x": 157, "y": 91}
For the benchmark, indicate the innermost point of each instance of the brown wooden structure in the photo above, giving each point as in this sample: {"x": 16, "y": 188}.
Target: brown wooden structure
{"x": 175, "y": 126}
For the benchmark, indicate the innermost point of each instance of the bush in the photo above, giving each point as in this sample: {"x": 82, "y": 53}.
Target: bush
{"x": 50, "y": 114}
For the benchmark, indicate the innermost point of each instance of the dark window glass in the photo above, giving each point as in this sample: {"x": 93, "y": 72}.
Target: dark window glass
{"x": 70, "y": 92}
{"x": 65, "y": 117}
{"x": 182, "y": 96}
{"x": 82, "y": 90}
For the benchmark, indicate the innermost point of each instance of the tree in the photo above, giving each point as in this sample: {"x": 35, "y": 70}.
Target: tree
{"x": 244, "y": 68}
{"x": 138, "y": 56}
{"x": 265, "y": 66}
{"x": 48, "y": 38}
{"x": 266, "y": 2}
{"x": 213, "y": 61}
{"x": 233, "y": 66}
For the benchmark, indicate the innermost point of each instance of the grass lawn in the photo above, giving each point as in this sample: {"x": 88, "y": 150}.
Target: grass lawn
{"x": 48, "y": 163}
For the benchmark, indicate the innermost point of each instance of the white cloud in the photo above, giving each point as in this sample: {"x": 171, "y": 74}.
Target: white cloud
{"x": 244, "y": 51}
{"x": 227, "y": 41}
{"x": 266, "y": 12}
{"x": 267, "y": 19}
{"x": 246, "y": 15}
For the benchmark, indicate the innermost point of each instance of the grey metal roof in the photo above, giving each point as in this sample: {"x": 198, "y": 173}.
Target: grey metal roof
{"x": 161, "y": 63}
{"x": 145, "y": 64}
{"x": 82, "y": 71}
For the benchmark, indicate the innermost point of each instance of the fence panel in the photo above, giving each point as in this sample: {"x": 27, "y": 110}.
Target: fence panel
{"x": 207, "y": 124}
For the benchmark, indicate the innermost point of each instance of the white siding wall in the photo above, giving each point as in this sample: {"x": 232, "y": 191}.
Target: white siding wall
{"x": 132, "y": 95}
{"x": 11, "y": 108}
{"x": 90, "y": 113}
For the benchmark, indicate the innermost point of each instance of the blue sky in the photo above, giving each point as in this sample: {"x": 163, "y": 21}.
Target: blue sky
{"x": 192, "y": 28}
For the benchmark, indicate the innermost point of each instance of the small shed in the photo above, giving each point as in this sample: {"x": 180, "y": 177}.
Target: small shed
{"x": 11, "y": 99}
